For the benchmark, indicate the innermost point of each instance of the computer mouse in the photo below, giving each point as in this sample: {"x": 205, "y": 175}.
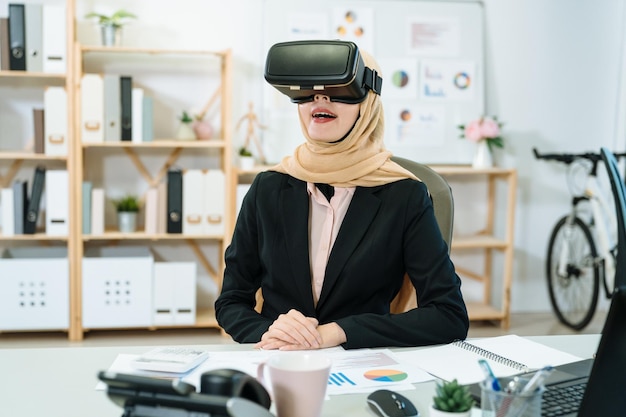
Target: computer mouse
{"x": 387, "y": 403}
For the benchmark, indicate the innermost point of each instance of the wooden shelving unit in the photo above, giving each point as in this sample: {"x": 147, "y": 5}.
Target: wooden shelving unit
{"x": 488, "y": 242}
{"x": 170, "y": 149}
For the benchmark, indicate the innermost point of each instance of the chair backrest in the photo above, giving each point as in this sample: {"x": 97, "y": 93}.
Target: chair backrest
{"x": 443, "y": 205}
{"x": 619, "y": 196}
{"x": 440, "y": 193}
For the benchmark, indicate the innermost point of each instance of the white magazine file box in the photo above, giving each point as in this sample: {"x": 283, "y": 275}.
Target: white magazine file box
{"x": 174, "y": 293}
{"x": 214, "y": 191}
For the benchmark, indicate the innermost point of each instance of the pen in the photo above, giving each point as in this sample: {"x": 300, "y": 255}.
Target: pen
{"x": 537, "y": 380}
{"x": 489, "y": 376}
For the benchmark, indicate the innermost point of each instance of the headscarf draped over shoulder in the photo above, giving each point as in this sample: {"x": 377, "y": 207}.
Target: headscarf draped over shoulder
{"x": 359, "y": 160}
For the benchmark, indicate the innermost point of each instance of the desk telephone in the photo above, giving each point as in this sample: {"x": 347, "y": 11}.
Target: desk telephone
{"x": 223, "y": 393}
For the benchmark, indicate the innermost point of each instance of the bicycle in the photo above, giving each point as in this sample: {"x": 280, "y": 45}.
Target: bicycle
{"x": 583, "y": 244}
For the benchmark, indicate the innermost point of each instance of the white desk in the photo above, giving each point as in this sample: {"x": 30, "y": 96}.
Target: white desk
{"x": 60, "y": 382}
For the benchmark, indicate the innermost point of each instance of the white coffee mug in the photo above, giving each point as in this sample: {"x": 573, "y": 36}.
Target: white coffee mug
{"x": 297, "y": 382}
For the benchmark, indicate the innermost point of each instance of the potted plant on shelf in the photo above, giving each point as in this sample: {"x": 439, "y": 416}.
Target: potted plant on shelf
{"x": 451, "y": 400}
{"x": 127, "y": 208}
{"x": 111, "y": 25}
{"x": 185, "y": 128}
{"x": 246, "y": 159}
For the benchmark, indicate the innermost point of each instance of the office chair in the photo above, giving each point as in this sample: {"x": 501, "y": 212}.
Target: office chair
{"x": 443, "y": 204}
{"x": 619, "y": 196}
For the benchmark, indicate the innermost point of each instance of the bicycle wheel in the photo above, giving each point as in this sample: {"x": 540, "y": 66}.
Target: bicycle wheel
{"x": 574, "y": 295}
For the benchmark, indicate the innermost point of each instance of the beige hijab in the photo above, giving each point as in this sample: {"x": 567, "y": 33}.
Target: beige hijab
{"x": 359, "y": 160}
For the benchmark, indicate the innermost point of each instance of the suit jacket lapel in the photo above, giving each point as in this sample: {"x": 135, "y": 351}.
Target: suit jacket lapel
{"x": 294, "y": 201}
{"x": 361, "y": 213}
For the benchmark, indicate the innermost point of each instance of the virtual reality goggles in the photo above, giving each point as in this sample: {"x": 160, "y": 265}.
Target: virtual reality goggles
{"x": 302, "y": 69}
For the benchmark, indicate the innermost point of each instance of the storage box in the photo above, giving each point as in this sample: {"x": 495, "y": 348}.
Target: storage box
{"x": 34, "y": 289}
{"x": 117, "y": 287}
{"x": 174, "y": 293}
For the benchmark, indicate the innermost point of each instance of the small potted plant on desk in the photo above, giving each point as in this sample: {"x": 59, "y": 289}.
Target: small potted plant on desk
{"x": 127, "y": 208}
{"x": 246, "y": 159}
{"x": 451, "y": 400}
{"x": 111, "y": 26}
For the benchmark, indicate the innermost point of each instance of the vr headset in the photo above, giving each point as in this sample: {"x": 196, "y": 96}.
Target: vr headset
{"x": 302, "y": 69}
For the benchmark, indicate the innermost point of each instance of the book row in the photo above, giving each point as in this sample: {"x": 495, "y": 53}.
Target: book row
{"x": 20, "y": 208}
{"x": 190, "y": 202}
{"x": 112, "y": 109}
{"x": 33, "y": 38}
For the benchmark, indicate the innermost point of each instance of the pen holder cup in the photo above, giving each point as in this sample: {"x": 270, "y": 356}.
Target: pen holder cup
{"x": 503, "y": 404}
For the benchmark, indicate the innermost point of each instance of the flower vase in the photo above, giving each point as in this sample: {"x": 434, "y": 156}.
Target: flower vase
{"x": 482, "y": 155}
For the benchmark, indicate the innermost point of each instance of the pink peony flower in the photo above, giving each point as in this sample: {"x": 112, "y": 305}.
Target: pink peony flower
{"x": 485, "y": 128}
{"x": 489, "y": 128}
{"x": 473, "y": 131}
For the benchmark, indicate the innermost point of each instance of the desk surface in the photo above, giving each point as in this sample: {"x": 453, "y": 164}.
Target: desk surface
{"x": 60, "y": 382}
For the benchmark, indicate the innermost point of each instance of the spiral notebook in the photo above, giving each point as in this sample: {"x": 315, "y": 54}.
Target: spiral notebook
{"x": 507, "y": 355}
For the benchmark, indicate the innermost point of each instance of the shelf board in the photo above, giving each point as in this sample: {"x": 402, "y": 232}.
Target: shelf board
{"x": 478, "y": 241}
{"x": 23, "y": 155}
{"x": 30, "y": 74}
{"x": 34, "y": 237}
{"x": 252, "y": 171}
{"x": 148, "y": 51}
{"x": 165, "y": 143}
{"x": 468, "y": 170}
{"x": 114, "y": 235}
{"x": 479, "y": 311}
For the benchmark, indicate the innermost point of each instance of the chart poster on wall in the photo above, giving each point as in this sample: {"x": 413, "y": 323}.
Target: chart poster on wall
{"x": 303, "y": 26}
{"x": 411, "y": 127}
{"x": 432, "y": 60}
{"x": 354, "y": 24}
{"x": 433, "y": 36}
{"x": 400, "y": 78}
{"x": 447, "y": 80}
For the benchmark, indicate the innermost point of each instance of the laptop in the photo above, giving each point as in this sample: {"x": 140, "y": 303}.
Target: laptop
{"x": 591, "y": 387}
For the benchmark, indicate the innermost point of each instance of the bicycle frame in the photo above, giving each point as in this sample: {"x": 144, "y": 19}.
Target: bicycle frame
{"x": 606, "y": 224}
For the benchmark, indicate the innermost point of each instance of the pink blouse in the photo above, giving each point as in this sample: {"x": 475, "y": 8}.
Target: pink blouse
{"x": 324, "y": 222}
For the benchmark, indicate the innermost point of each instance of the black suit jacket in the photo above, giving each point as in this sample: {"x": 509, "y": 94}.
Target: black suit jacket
{"x": 388, "y": 230}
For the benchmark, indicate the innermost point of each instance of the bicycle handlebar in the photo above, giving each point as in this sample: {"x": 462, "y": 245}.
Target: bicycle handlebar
{"x": 568, "y": 158}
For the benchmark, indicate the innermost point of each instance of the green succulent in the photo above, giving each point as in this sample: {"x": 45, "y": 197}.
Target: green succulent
{"x": 115, "y": 20}
{"x": 128, "y": 203}
{"x": 452, "y": 397}
{"x": 243, "y": 151}
{"x": 185, "y": 117}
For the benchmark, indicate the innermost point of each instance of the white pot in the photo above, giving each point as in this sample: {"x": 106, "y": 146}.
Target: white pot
{"x": 111, "y": 35}
{"x": 127, "y": 221}
{"x": 482, "y": 155}
{"x": 433, "y": 412}
{"x": 185, "y": 132}
{"x": 246, "y": 162}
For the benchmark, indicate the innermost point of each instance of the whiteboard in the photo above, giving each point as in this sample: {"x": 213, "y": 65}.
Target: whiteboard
{"x": 432, "y": 58}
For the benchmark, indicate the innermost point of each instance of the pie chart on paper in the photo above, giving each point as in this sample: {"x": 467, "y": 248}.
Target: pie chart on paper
{"x": 385, "y": 375}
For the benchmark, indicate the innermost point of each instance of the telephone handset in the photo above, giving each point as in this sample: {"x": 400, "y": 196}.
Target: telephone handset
{"x": 223, "y": 393}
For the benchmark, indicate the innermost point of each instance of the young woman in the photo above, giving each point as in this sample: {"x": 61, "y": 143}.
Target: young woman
{"x": 328, "y": 235}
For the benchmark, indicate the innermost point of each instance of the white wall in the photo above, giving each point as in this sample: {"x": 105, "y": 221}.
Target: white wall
{"x": 553, "y": 71}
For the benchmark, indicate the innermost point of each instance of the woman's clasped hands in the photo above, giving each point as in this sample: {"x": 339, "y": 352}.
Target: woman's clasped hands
{"x": 295, "y": 331}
